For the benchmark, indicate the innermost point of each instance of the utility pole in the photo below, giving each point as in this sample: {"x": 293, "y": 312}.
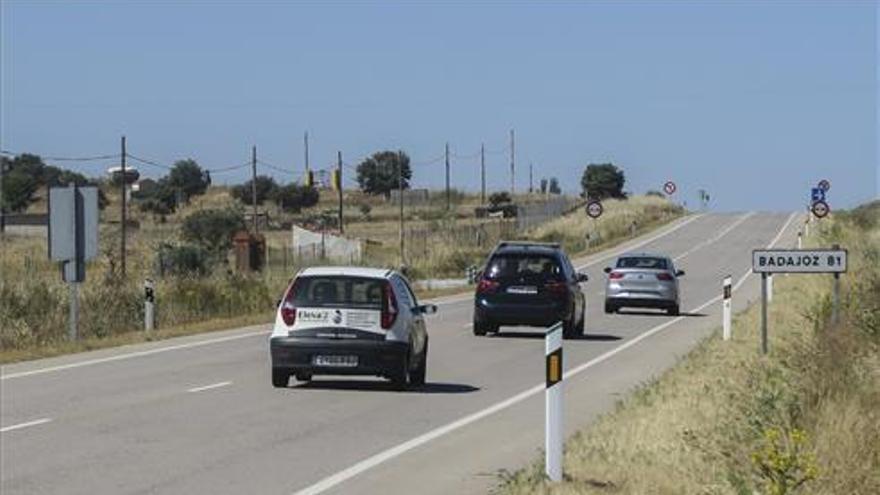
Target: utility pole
{"x": 122, "y": 217}
{"x": 448, "y": 203}
{"x": 512, "y": 166}
{"x": 531, "y": 188}
{"x": 306, "y": 148}
{"x": 339, "y": 186}
{"x": 2, "y": 210}
{"x": 400, "y": 197}
{"x": 254, "y": 185}
{"x": 482, "y": 173}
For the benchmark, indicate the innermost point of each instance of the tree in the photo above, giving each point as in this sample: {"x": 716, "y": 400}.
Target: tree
{"x": 213, "y": 229}
{"x": 18, "y": 191}
{"x": 294, "y": 197}
{"x": 378, "y": 174}
{"x": 499, "y": 198}
{"x": 602, "y": 181}
{"x": 543, "y": 186}
{"x": 554, "y": 186}
{"x": 187, "y": 177}
{"x": 266, "y": 189}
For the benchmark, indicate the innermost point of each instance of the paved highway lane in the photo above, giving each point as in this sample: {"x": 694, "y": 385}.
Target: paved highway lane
{"x": 203, "y": 416}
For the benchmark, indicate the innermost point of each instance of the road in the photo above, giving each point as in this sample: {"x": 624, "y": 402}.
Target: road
{"x": 198, "y": 414}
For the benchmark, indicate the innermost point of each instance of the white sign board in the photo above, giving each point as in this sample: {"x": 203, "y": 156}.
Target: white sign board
{"x": 799, "y": 260}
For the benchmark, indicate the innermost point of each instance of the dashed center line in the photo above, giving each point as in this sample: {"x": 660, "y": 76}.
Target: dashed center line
{"x": 209, "y": 387}
{"x": 25, "y": 425}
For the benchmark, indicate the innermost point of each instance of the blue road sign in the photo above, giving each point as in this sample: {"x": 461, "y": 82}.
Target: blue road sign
{"x": 818, "y": 194}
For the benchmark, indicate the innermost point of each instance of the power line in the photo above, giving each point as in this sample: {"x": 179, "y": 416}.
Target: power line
{"x": 66, "y": 158}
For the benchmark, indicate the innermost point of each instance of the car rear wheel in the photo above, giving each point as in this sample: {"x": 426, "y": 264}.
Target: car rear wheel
{"x": 583, "y": 322}
{"x": 610, "y": 308}
{"x": 482, "y": 328}
{"x": 673, "y": 310}
{"x": 401, "y": 377}
{"x": 417, "y": 376}
{"x": 280, "y": 378}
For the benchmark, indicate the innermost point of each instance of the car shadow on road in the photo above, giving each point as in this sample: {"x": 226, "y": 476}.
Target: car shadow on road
{"x": 385, "y": 386}
{"x": 598, "y": 337}
{"x": 656, "y": 313}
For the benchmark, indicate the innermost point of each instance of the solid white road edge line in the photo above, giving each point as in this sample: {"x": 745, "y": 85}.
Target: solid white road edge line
{"x": 120, "y": 357}
{"x": 373, "y": 461}
{"x": 450, "y": 300}
{"x": 25, "y": 425}
{"x": 209, "y": 387}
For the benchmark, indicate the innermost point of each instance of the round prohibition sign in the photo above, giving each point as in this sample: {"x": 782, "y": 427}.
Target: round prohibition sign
{"x": 669, "y": 187}
{"x": 594, "y": 209}
{"x": 820, "y": 209}
{"x": 824, "y": 185}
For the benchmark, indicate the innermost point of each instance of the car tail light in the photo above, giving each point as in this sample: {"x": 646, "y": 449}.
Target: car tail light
{"x": 389, "y": 306}
{"x": 664, "y": 276}
{"x": 487, "y": 286}
{"x": 615, "y": 275}
{"x": 288, "y": 308}
{"x": 556, "y": 288}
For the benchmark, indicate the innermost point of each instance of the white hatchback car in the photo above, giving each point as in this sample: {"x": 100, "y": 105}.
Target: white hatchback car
{"x": 350, "y": 321}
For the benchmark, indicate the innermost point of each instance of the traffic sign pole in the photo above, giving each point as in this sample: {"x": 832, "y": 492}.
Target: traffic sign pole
{"x": 764, "y": 313}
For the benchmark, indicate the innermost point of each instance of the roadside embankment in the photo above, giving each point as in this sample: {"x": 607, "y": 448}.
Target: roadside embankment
{"x": 803, "y": 419}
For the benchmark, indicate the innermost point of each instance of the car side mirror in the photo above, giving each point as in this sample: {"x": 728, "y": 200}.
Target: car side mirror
{"x": 582, "y": 277}
{"x": 679, "y": 273}
{"x": 427, "y": 309}
{"x": 607, "y": 269}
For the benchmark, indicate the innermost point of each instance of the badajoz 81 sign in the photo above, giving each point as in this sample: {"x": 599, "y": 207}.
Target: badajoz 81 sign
{"x": 799, "y": 260}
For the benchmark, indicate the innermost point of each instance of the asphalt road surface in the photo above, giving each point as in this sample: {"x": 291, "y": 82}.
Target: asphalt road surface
{"x": 199, "y": 415}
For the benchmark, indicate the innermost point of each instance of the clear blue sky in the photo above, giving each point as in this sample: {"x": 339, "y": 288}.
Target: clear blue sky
{"x": 754, "y": 101}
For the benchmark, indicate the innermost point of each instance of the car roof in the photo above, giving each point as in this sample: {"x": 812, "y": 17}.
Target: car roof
{"x": 519, "y": 247}
{"x": 350, "y": 271}
{"x": 643, "y": 254}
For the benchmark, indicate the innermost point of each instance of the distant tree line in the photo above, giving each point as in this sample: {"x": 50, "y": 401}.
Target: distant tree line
{"x": 24, "y": 175}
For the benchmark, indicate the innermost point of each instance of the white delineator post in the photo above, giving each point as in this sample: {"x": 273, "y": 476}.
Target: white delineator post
{"x": 553, "y": 403}
{"x": 799, "y": 242}
{"x": 770, "y": 288}
{"x": 725, "y": 307}
{"x": 149, "y": 305}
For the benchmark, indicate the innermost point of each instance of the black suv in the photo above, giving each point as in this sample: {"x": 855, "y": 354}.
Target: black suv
{"x": 531, "y": 284}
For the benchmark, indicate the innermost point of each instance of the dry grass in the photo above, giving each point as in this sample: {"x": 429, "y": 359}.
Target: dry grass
{"x": 34, "y": 300}
{"x": 710, "y": 422}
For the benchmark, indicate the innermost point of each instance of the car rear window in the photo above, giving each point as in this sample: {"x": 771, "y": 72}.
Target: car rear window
{"x": 647, "y": 262}
{"x": 524, "y": 266}
{"x": 338, "y": 292}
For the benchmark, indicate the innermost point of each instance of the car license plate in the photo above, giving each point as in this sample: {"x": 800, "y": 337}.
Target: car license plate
{"x": 520, "y": 289}
{"x": 337, "y": 361}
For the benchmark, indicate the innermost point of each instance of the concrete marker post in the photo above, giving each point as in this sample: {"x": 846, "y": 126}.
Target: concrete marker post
{"x": 553, "y": 404}
{"x": 725, "y": 307}
{"x": 149, "y": 305}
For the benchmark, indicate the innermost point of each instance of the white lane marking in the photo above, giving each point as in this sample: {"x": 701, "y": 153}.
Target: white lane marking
{"x": 639, "y": 244}
{"x": 209, "y": 387}
{"x": 381, "y": 457}
{"x": 717, "y": 236}
{"x": 772, "y": 243}
{"x": 25, "y": 425}
{"x": 120, "y": 357}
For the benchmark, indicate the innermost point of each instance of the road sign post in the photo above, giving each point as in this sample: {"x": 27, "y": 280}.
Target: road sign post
{"x": 726, "y": 295}
{"x": 770, "y": 261}
{"x": 553, "y": 403}
{"x": 73, "y": 238}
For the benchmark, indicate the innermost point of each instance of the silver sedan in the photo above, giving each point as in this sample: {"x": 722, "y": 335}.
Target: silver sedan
{"x": 642, "y": 280}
